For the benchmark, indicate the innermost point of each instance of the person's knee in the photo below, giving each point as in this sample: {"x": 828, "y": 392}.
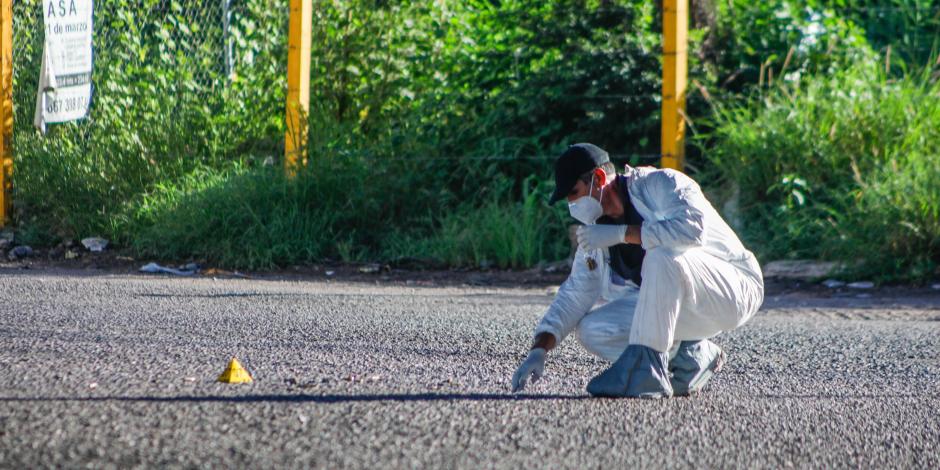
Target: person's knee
{"x": 587, "y": 335}
{"x": 602, "y": 339}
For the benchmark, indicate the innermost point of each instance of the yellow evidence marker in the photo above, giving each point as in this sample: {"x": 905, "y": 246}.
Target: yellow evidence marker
{"x": 235, "y": 374}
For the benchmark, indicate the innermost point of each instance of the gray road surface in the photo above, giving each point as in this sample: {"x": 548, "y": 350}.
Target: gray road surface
{"x": 116, "y": 371}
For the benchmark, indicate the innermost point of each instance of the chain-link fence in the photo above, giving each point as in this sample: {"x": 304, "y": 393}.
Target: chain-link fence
{"x": 457, "y": 90}
{"x": 189, "y": 42}
{"x": 176, "y": 83}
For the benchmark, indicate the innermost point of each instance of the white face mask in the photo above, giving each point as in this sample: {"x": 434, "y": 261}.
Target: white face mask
{"x": 586, "y": 209}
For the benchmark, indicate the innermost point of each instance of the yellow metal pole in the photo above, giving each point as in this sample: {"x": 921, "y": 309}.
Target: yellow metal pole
{"x": 6, "y": 111}
{"x": 298, "y": 84}
{"x": 675, "y": 71}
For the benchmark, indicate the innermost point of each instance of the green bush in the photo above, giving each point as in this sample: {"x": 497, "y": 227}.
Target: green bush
{"x": 162, "y": 108}
{"x": 433, "y": 125}
{"x": 500, "y": 232}
{"x": 260, "y": 219}
{"x": 841, "y": 167}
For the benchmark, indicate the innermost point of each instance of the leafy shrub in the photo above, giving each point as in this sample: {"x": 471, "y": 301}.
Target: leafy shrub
{"x": 501, "y": 232}
{"x": 163, "y": 107}
{"x": 842, "y": 167}
{"x": 259, "y": 219}
{"x": 436, "y": 121}
{"x": 256, "y": 219}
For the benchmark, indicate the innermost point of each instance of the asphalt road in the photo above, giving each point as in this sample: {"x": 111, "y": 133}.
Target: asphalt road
{"x": 119, "y": 371}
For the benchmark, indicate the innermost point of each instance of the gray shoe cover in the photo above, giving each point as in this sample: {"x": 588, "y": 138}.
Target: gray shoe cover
{"x": 693, "y": 365}
{"x": 640, "y": 372}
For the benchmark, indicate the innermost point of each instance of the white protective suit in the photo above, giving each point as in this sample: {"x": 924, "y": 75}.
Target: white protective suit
{"x": 697, "y": 278}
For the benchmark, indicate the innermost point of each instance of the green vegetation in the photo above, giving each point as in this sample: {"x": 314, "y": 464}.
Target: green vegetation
{"x": 434, "y": 125}
{"x": 842, "y": 167}
{"x": 261, "y": 219}
{"x": 162, "y": 110}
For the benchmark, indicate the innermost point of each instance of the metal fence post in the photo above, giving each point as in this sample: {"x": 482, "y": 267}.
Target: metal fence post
{"x": 675, "y": 70}
{"x": 298, "y": 84}
{"x": 6, "y": 111}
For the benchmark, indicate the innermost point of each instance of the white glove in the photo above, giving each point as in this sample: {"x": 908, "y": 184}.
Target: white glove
{"x": 534, "y": 365}
{"x": 593, "y": 237}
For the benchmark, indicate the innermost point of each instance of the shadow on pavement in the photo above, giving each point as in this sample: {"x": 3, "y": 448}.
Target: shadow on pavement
{"x": 308, "y": 398}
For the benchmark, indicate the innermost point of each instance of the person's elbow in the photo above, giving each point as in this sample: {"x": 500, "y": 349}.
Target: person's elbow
{"x": 686, "y": 230}
{"x": 693, "y": 228}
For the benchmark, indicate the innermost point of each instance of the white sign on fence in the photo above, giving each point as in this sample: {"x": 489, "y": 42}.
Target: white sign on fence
{"x": 65, "y": 78}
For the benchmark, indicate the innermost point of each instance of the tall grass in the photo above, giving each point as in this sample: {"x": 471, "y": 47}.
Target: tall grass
{"x": 843, "y": 167}
{"x": 162, "y": 109}
{"x": 502, "y": 232}
{"x": 255, "y": 219}
{"x": 410, "y": 99}
{"x": 335, "y": 210}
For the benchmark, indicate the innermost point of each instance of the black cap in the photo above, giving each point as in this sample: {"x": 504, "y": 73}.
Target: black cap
{"x": 576, "y": 161}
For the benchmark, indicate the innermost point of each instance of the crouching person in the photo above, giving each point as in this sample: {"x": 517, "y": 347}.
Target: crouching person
{"x": 665, "y": 269}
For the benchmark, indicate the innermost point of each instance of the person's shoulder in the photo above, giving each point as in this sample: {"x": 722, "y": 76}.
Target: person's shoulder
{"x": 651, "y": 174}
{"x": 665, "y": 177}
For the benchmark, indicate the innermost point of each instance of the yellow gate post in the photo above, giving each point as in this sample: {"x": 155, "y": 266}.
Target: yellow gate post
{"x": 675, "y": 70}
{"x": 6, "y": 111}
{"x": 298, "y": 84}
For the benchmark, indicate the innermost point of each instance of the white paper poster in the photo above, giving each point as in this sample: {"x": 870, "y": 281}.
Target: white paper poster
{"x": 65, "y": 78}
